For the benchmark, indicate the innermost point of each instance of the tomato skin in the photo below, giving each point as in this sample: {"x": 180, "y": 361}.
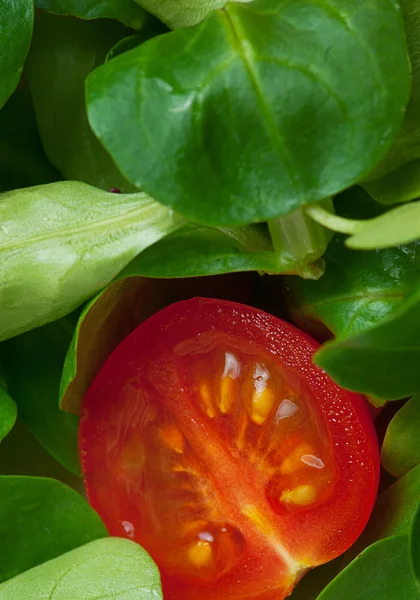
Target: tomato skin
{"x": 311, "y": 536}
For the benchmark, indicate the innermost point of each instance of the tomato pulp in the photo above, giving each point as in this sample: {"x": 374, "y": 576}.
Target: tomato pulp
{"x": 210, "y": 438}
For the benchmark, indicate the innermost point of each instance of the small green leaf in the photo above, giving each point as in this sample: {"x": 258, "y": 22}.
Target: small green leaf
{"x": 401, "y": 185}
{"x": 370, "y": 301}
{"x": 380, "y": 572}
{"x": 398, "y": 226}
{"x": 182, "y": 13}
{"x": 126, "y": 303}
{"x": 32, "y": 365}
{"x": 393, "y": 513}
{"x": 16, "y": 21}
{"x": 126, "y": 11}
{"x": 61, "y": 243}
{"x": 401, "y": 448}
{"x": 8, "y": 413}
{"x": 22, "y": 159}
{"x": 63, "y": 52}
{"x": 171, "y": 128}
{"x": 111, "y": 569}
{"x": 415, "y": 547}
{"x": 39, "y": 520}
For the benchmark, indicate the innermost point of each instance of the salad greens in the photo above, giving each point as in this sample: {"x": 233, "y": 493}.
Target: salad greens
{"x": 274, "y": 138}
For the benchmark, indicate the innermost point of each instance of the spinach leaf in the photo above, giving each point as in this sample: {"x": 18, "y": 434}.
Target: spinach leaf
{"x": 8, "y": 413}
{"x": 62, "y": 54}
{"x": 401, "y": 185}
{"x": 39, "y": 520}
{"x": 415, "y": 547}
{"x": 246, "y": 96}
{"x": 32, "y": 365}
{"x": 22, "y": 159}
{"x": 115, "y": 312}
{"x": 111, "y": 569}
{"x": 126, "y": 11}
{"x": 182, "y": 13}
{"x": 393, "y": 513}
{"x": 61, "y": 243}
{"x": 16, "y": 21}
{"x": 381, "y": 571}
{"x": 400, "y": 449}
{"x": 371, "y": 302}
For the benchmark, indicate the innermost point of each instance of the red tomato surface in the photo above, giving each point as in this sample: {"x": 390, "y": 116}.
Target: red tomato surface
{"x": 210, "y": 438}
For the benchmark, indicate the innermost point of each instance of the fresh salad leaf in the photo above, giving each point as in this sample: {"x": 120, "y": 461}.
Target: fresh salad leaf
{"x": 32, "y": 365}
{"x": 22, "y": 159}
{"x": 126, "y": 11}
{"x": 393, "y": 513}
{"x": 415, "y": 547}
{"x": 238, "y": 90}
{"x": 401, "y": 449}
{"x": 8, "y": 413}
{"x": 61, "y": 243}
{"x": 16, "y": 21}
{"x": 182, "y": 13}
{"x": 370, "y": 301}
{"x": 111, "y": 569}
{"x": 63, "y": 53}
{"x": 382, "y": 571}
{"x": 40, "y": 519}
{"x": 401, "y": 185}
{"x": 115, "y": 312}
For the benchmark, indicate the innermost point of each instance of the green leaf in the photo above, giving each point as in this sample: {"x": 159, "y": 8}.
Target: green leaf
{"x": 126, "y": 11}
{"x": 126, "y": 303}
{"x": 215, "y": 129}
{"x": 415, "y": 547}
{"x": 371, "y": 303}
{"x": 61, "y": 243}
{"x": 182, "y": 13}
{"x": 401, "y": 185}
{"x": 16, "y": 21}
{"x": 22, "y": 159}
{"x": 8, "y": 413}
{"x": 315, "y": 581}
{"x": 401, "y": 448}
{"x": 407, "y": 145}
{"x": 381, "y": 572}
{"x": 398, "y": 226}
{"x": 32, "y": 365}
{"x": 63, "y": 53}
{"x": 111, "y": 569}
{"x": 39, "y": 520}
{"x": 393, "y": 513}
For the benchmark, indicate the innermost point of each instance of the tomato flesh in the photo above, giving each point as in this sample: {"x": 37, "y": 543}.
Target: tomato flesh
{"x": 211, "y": 439}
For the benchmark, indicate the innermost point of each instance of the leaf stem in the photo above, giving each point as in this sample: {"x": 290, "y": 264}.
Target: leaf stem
{"x": 334, "y": 222}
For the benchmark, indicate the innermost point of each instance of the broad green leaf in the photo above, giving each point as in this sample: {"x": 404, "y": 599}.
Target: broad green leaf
{"x": 108, "y": 569}
{"x": 63, "y": 53}
{"x": 22, "y": 159}
{"x": 182, "y": 13}
{"x": 381, "y": 572}
{"x": 125, "y": 304}
{"x": 415, "y": 547}
{"x": 16, "y": 21}
{"x": 371, "y": 303}
{"x": 61, "y": 243}
{"x": 215, "y": 129}
{"x": 393, "y": 513}
{"x": 401, "y": 185}
{"x": 398, "y": 226}
{"x": 401, "y": 447}
{"x": 32, "y": 366}
{"x": 126, "y": 11}
{"x": 8, "y": 412}
{"x": 39, "y": 520}
{"x": 407, "y": 145}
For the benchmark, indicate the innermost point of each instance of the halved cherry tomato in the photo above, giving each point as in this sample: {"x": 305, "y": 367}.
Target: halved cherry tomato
{"x": 210, "y": 438}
